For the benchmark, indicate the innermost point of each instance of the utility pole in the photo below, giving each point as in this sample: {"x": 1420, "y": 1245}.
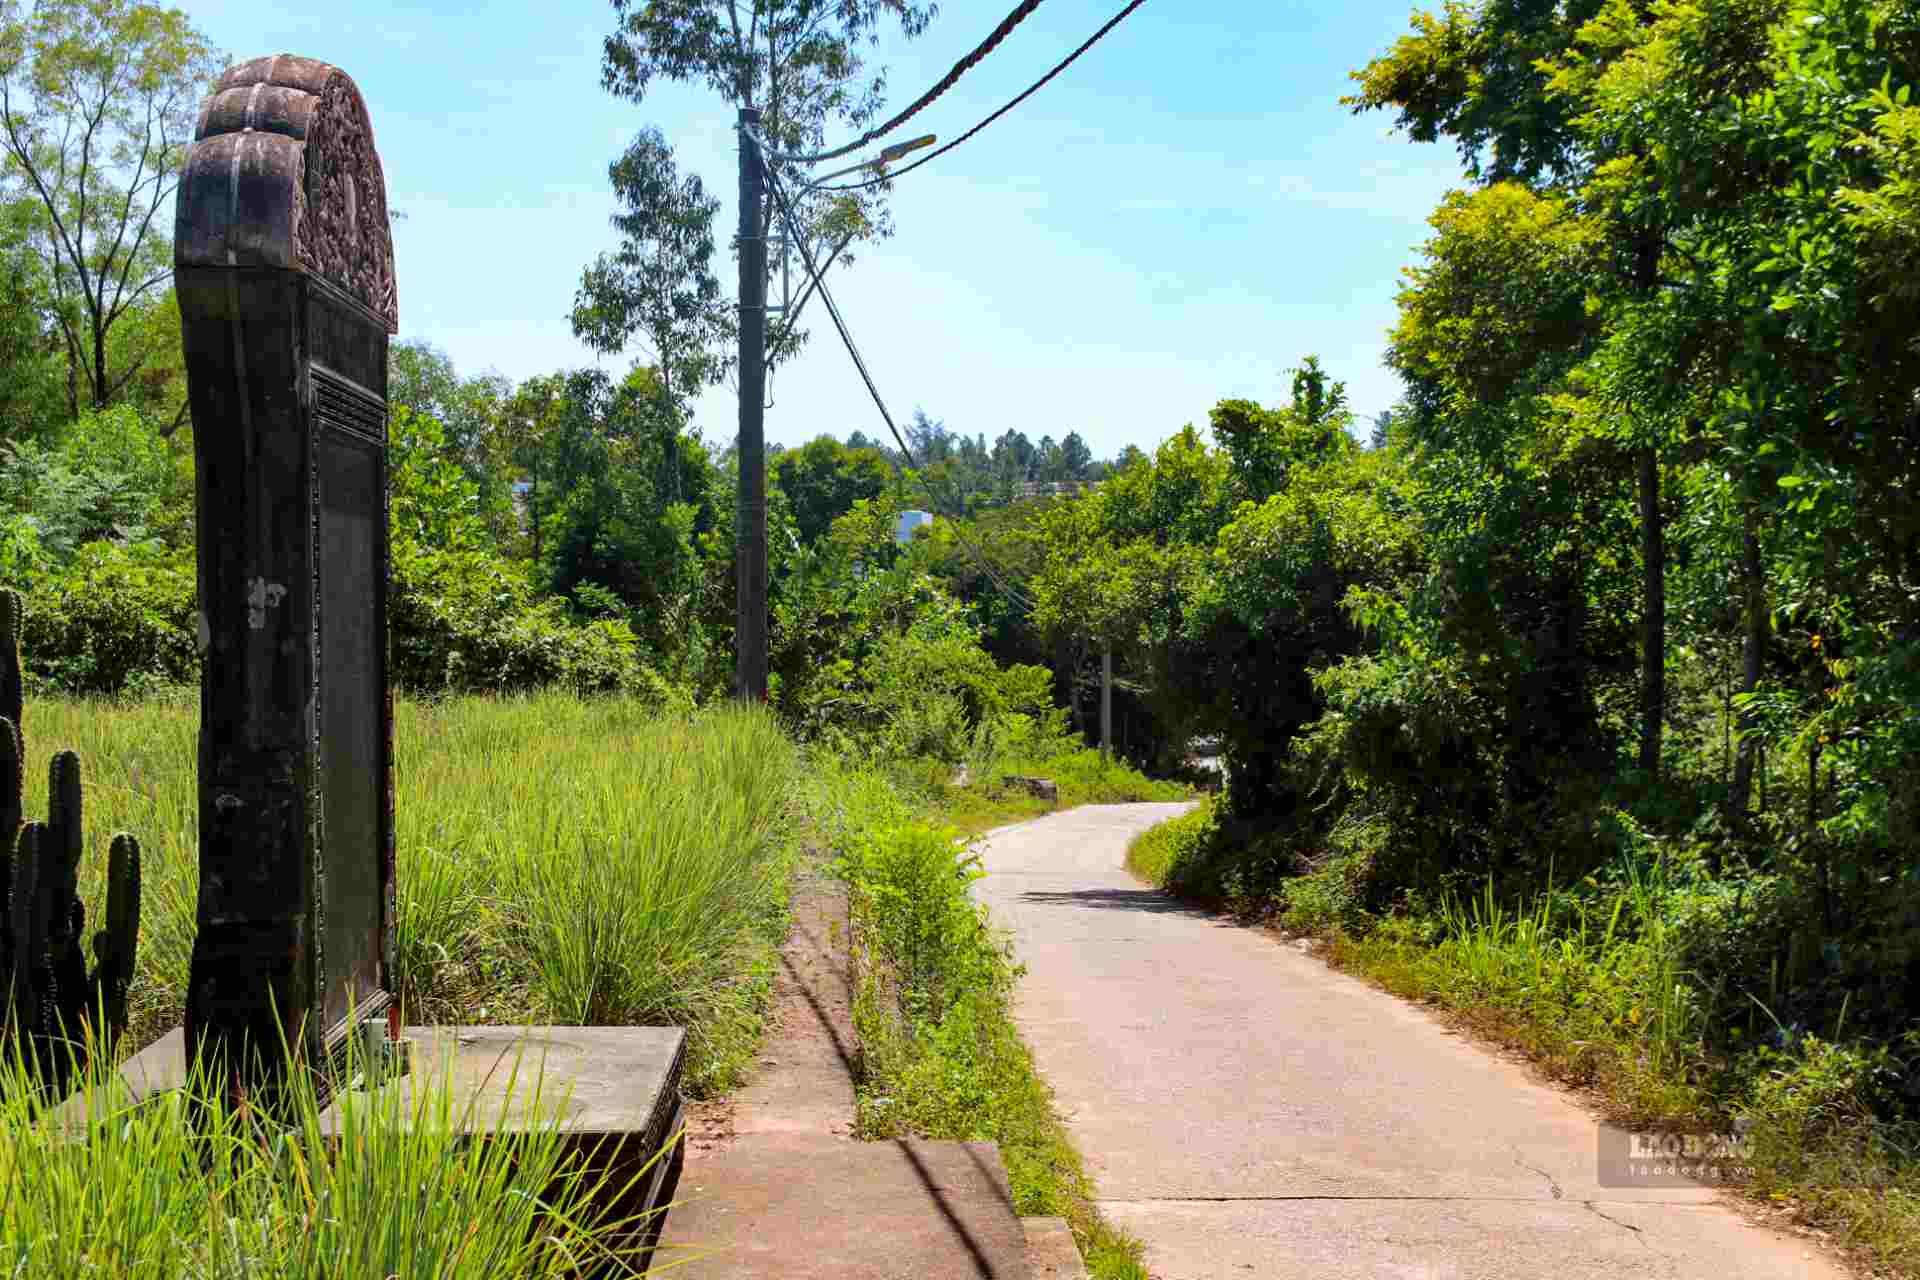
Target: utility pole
{"x": 1106, "y": 699}
{"x": 750, "y": 518}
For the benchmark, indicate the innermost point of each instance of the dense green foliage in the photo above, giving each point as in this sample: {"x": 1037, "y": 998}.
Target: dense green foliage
{"x": 1585, "y": 695}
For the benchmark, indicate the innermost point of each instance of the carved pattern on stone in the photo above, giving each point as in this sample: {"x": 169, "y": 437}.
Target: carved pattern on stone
{"x": 345, "y": 235}
{"x": 283, "y": 172}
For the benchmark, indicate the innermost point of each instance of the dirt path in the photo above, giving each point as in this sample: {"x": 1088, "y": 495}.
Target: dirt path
{"x": 1249, "y": 1112}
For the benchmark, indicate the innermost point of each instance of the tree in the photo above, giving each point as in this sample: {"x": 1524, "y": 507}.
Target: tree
{"x": 1047, "y": 463}
{"x": 1075, "y": 457}
{"x": 1383, "y": 430}
{"x": 1012, "y": 462}
{"x": 798, "y": 63}
{"x": 659, "y": 284}
{"x": 637, "y": 494}
{"x": 1496, "y": 78}
{"x": 1775, "y": 144}
{"x": 97, "y": 103}
{"x": 1262, "y": 444}
{"x": 30, "y": 367}
{"x": 823, "y": 479}
{"x": 471, "y": 412}
{"x": 930, "y": 440}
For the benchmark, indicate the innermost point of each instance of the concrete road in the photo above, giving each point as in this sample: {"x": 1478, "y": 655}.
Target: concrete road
{"x": 1247, "y": 1111}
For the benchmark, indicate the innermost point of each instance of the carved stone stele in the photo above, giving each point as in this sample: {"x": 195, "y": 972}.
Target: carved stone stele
{"x": 284, "y": 271}
{"x": 283, "y": 173}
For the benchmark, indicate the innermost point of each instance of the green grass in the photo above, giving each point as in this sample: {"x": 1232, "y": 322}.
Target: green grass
{"x": 1083, "y": 776}
{"x": 939, "y": 1054}
{"x": 1158, "y": 852}
{"x": 1595, "y": 990}
{"x": 559, "y": 859}
{"x": 136, "y": 1191}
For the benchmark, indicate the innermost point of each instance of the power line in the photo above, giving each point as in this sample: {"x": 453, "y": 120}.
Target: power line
{"x": 947, "y": 82}
{"x": 826, "y": 296}
{"x": 1031, "y": 90}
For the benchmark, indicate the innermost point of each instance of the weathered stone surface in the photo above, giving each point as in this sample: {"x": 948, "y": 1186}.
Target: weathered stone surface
{"x": 283, "y": 173}
{"x": 284, "y": 271}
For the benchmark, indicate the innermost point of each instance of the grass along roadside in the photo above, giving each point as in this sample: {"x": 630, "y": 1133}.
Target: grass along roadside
{"x": 1596, "y": 991}
{"x": 939, "y": 1054}
{"x": 988, "y": 799}
{"x": 536, "y": 883}
{"x": 107, "y": 1186}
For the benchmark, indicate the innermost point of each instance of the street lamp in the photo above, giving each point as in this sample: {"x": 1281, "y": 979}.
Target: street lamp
{"x": 886, "y": 157}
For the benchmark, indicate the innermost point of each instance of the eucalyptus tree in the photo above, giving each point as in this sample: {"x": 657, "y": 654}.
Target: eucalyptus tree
{"x": 98, "y": 100}
{"x": 800, "y": 64}
{"x": 658, "y": 285}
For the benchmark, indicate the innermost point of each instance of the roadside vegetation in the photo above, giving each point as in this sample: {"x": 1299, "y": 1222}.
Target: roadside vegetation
{"x": 1602, "y": 983}
{"x": 939, "y": 1054}
{"x": 1576, "y": 694}
{"x": 389, "y": 1183}
{"x": 1580, "y": 699}
{"x": 535, "y": 883}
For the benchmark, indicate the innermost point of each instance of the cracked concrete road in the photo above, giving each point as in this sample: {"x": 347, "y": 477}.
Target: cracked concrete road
{"x": 1247, "y": 1111}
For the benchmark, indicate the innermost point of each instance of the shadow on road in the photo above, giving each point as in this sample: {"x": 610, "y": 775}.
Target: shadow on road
{"x": 1149, "y": 900}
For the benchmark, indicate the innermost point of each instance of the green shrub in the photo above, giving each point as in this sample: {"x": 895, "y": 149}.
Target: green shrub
{"x": 1818, "y": 1089}
{"x": 467, "y": 621}
{"x": 1089, "y": 776}
{"x": 909, "y": 885}
{"x": 116, "y": 619}
{"x": 1165, "y": 854}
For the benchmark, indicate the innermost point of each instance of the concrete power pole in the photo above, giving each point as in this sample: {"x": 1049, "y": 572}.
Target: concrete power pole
{"x": 750, "y": 519}
{"x": 1106, "y": 700}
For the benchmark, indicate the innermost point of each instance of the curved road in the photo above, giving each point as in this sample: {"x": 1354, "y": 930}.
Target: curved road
{"x": 1247, "y": 1111}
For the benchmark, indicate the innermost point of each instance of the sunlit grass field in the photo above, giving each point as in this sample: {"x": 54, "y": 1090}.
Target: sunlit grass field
{"x": 559, "y": 860}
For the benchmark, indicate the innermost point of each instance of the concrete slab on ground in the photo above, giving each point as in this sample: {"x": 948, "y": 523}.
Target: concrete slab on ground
{"x": 596, "y": 1080}
{"x": 1051, "y": 1252}
{"x": 1247, "y": 1111}
{"x": 809, "y": 1207}
{"x": 804, "y": 1083}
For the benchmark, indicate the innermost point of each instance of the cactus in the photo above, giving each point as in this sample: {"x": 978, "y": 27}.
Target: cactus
{"x": 47, "y": 997}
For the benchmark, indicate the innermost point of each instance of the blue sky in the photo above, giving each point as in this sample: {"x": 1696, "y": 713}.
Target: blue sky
{"x": 1177, "y": 219}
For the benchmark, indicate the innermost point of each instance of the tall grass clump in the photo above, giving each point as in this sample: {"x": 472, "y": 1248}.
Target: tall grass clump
{"x": 594, "y": 862}
{"x": 398, "y": 1182}
{"x": 560, "y": 859}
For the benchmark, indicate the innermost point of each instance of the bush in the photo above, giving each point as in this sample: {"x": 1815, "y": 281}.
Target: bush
{"x": 910, "y": 888}
{"x": 1333, "y": 897}
{"x": 117, "y": 619}
{"x": 466, "y": 621}
{"x": 1169, "y": 853}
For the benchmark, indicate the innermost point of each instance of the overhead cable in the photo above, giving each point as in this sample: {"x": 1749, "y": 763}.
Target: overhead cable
{"x": 1030, "y": 91}
{"x": 826, "y": 296}
{"x": 947, "y": 82}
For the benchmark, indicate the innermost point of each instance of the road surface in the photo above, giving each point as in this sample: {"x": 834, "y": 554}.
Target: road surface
{"x": 1246, "y": 1111}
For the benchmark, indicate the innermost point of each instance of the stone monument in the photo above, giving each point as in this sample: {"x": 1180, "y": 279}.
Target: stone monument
{"x": 284, "y": 270}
